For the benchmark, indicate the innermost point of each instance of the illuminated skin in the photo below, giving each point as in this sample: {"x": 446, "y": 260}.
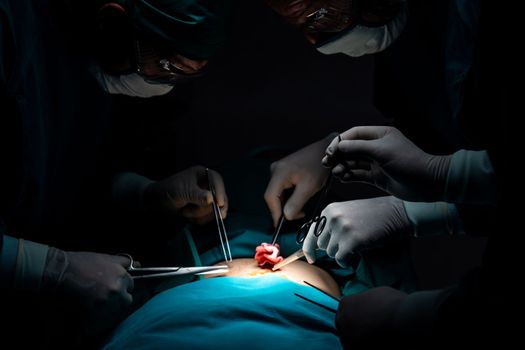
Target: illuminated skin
{"x": 298, "y": 271}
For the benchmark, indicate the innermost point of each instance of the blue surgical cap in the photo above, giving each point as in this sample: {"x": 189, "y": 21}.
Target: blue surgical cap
{"x": 192, "y": 28}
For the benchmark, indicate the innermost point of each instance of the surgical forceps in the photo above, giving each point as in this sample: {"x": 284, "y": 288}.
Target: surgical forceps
{"x": 225, "y": 244}
{"x": 151, "y": 272}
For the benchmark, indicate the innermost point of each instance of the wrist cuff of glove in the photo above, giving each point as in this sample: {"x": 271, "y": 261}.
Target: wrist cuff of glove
{"x": 56, "y": 265}
{"x": 128, "y": 191}
{"x": 471, "y": 179}
{"x": 30, "y": 263}
{"x": 430, "y": 219}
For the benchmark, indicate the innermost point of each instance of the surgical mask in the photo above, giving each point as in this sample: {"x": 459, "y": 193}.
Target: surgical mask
{"x": 130, "y": 84}
{"x": 363, "y": 40}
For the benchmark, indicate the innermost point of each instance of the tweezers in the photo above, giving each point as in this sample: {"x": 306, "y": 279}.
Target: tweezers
{"x": 278, "y": 229}
{"x": 223, "y": 236}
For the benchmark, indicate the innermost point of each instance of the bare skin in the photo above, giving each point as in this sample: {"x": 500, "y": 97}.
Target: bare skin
{"x": 298, "y": 271}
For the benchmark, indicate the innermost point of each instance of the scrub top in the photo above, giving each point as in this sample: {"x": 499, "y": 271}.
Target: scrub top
{"x": 54, "y": 123}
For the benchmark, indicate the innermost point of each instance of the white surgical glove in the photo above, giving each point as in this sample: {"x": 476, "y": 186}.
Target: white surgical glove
{"x": 357, "y": 225}
{"x": 187, "y": 192}
{"x": 384, "y": 157}
{"x": 301, "y": 171}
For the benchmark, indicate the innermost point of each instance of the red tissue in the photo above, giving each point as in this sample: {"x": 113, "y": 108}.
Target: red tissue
{"x": 267, "y": 254}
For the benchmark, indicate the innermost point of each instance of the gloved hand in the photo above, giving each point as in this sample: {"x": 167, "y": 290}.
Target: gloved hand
{"x": 366, "y": 319}
{"x": 187, "y": 192}
{"x": 384, "y": 157}
{"x": 99, "y": 282}
{"x": 302, "y": 171}
{"x": 357, "y": 225}
{"x": 316, "y": 16}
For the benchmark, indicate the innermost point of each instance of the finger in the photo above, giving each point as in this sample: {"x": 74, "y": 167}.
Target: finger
{"x": 324, "y": 239}
{"x": 332, "y": 147}
{"x": 357, "y": 149}
{"x": 333, "y": 247}
{"x": 293, "y": 209}
{"x": 220, "y": 189}
{"x": 339, "y": 170}
{"x": 123, "y": 260}
{"x": 347, "y": 177}
{"x": 130, "y": 283}
{"x": 361, "y": 175}
{"x": 195, "y": 195}
{"x": 331, "y": 157}
{"x": 224, "y": 210}
{"x": 200, "y": 197}
{"x": 356, "y": 164}
{"x": 310, "y": 245}
{"x": 343, "y": 257}
{"x": 195, "y": 212}
{"x": 273, "y": 194}
{"x": 365, "y": 133}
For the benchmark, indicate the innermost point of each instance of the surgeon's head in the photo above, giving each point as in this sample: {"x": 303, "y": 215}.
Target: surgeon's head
{"x": 371, "y": 25}
{"x": 145, "y": 47}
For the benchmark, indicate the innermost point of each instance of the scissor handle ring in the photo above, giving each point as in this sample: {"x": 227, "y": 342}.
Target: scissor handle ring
{"x": 130, "y": 267}
{"x": 319, "y": 225}
{"x": 302, "y": 232}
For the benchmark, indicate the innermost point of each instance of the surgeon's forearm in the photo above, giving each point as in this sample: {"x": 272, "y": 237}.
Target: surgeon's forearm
{"x": 128, "y": 191}
{"x": 431, "y": 219}
{"x": 471, "y": 179}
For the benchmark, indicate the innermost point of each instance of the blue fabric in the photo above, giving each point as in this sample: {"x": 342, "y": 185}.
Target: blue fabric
{"x": 231, "y": 313}
{"x": 8, "y": 254}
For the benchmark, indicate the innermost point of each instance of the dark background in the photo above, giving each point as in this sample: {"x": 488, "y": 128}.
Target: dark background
{"x": 270, "y": 88}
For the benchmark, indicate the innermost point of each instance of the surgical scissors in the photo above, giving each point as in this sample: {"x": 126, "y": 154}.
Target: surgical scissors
{"x": 319, "y": 221}
{"x": 151, "y": 272}
{"x": 223, "y": 236}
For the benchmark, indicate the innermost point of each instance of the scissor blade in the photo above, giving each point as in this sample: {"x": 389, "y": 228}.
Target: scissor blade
{"x": 153, "y": 269}
{"x": 214, "y": 272}
{"x": 202, "y": 269}
{"x": 197, "y": 270}
{"x": 295, "y": 256}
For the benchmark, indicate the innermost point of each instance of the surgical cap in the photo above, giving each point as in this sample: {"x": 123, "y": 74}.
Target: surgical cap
{"x": 193, "y": 28}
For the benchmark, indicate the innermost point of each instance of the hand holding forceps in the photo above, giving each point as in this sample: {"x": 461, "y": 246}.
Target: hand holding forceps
{"x": 151, "y": 272}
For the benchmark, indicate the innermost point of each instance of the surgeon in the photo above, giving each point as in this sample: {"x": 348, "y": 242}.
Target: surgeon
{"x": 59, "y": 63}
{"x": 432, "y": 193}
